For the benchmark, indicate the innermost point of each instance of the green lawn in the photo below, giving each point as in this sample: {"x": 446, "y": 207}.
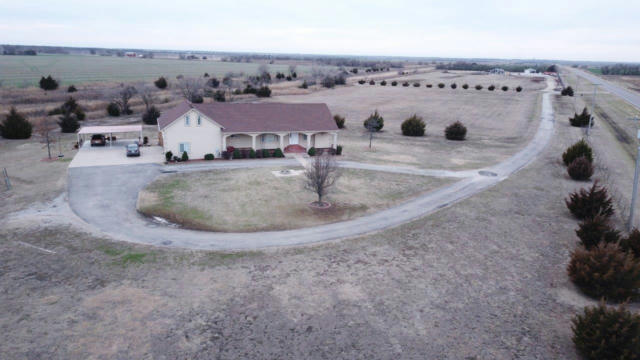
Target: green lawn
{"x": 23, "y": 71}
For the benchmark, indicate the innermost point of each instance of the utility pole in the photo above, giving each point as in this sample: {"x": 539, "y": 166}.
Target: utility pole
{"x": 634, "y": 194}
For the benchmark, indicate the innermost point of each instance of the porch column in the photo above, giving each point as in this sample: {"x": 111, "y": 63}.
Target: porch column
{"x": 224, "y": 142}
{"x": 253, "y": 141}
{"x": 335, "y": 140}
{"x": 308, "y": 140}
{"x": 281, "y": 141}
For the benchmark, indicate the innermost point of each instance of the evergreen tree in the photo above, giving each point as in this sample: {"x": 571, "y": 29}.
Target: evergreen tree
{"x": 48, "y": 83}
{"x": 15, "y": 126}
{"x": 68, "y": 122}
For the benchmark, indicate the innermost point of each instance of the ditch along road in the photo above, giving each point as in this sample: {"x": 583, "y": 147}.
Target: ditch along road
{"x": 628, "y": 95}
{"x": 105, "y": 198}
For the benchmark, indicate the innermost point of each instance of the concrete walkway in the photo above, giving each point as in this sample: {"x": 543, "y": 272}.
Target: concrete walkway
{"x": 109, "y": 203}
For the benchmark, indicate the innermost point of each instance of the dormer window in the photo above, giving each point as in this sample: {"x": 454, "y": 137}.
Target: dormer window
{"x": 186, "y": 121}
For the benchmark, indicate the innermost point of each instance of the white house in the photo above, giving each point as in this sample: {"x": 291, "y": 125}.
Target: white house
{"x": 530, "y": 71}
{"x": 201, "y": 129}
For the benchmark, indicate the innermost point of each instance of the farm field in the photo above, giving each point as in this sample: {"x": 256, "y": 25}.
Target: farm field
{"x": 236, "y": 200}
{"x": 498, "y": 123}
{"x": 24, "y": 71}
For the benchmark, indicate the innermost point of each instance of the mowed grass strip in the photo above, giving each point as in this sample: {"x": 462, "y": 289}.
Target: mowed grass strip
{"x": 256, "y": 200}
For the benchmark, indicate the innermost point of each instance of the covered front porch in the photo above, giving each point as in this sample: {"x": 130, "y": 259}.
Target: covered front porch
{"x": 285, "y": 141}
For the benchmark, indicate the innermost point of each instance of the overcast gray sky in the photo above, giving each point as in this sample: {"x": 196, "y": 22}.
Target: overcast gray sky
{"x": 540, "y": 29}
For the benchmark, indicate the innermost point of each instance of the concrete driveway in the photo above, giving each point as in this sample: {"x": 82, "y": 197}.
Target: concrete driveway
{"x": 115, "y": 155}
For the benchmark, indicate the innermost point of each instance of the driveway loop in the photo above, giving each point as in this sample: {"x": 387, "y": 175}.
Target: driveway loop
{"x": 487, "y": 173}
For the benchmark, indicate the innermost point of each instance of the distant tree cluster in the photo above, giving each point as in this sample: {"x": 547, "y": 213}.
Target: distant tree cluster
{"x": 13, "y": 50}
{"x": 621, "y": 69}
{"x": 473, "y": 66}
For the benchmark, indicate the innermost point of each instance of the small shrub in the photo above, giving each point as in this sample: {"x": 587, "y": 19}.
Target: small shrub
{"x": 593, "y": 231}
{"x": 150, "y": 116}
{"x": 383, "y": 83}
{"x": 68, "y": 123}
{"x": 454, "y": 85}
{"x": 456, "y": 131}
{"x": 237, "y": 154}
{"x": 441, "y": 85}
{"x": 304, "y": 85}
{"x": 239, "y": 92}
{"x": 585, "y": 203}
{"x": 505, "y": 88}
{"x": 197, "y": 99}
{"x": 429, "y": 86}
{"x": 580, "y": 169}
{"x": 278, "y": 153}
{"x": 208, "y": 156}
{"x": 465, "y": 86}
{"x": 376, "y": 121}
{"x": 478, "y": 87}
{"x": 264, "y": 91}
{"x": 491, "y": 87}
{"x": 584, "y": 119}
{"x": 161, "y": 83}
{"x": 113, "y": 109}
{"x": 339, "y": 150}
{"x": 145, "y": 140}
{"x": 405, "y": 84}
{"x": 605, "y": 271}
{"x": 266, "y": 153}
{"x": 361, "y": 82}
{"x": 631, "y": 243}
{"x": 577, "y": 150}
{"x": 71, "y": 89}
{"x": 372, "y": 82}
{"x": 252, "y": 154}
{"x": 219, "y": 96}
{"x": 48, "y": 83}
{"x": 519, "y": 88}
{"x": 168, "y": 156}
{"x": 339, "y": 121}
{"x": 185, "y": 156}
{"x": 176, "y": 159}
{"x": 568, "y": 91}
{"x": 606, "y": 333}
{"x": 312, "y": 151}
{"x": 413, "y": 126}
{"x": 15, "y": 126}
{"x": 416, "y": 84}
{"x": 394, "y": 83}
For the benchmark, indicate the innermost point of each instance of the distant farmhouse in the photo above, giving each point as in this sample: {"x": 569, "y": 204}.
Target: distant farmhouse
{"x": 530, "y": 71}
{"x": 211, "y": 128}
{"x": 498, "y": 71}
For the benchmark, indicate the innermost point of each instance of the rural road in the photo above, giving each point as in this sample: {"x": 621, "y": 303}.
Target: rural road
{"x": 105, "y": 197}
{"x": 628, "y": 95}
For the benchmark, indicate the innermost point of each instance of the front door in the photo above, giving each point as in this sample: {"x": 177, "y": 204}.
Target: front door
{"x": 293, "y": 138}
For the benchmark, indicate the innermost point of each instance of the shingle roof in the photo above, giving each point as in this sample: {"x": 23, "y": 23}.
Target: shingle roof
{"x": 259, "y": 117}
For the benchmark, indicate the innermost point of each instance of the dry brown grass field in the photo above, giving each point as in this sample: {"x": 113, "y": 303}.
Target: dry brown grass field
{"x": 499, "y": 123}
{"x": 256, "y": 200}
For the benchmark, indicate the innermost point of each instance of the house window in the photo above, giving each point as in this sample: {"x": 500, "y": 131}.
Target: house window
{"x": 185, "y": 147}
{"x": 304, "y": 136}
{"x": 186, "y": 120}
{"x": 199, "y": 121}
{"x": 268, "y": 138}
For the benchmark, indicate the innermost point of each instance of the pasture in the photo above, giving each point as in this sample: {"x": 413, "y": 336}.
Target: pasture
{"x": 25, "y": 71}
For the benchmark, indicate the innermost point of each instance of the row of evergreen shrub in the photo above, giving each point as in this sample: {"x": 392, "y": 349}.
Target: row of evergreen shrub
{"x": 440, "y": 85}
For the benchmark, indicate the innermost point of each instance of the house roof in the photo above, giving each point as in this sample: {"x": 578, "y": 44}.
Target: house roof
{"x": 258, "y": 117}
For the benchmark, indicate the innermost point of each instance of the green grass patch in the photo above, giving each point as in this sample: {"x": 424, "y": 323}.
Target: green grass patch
{"x": 596, "y": 71}
{"x": 134, "y": 259}
{"x": 110, "y": 250}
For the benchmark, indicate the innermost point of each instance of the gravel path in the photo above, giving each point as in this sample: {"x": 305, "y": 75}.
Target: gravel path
{"x": 89, "y": 187}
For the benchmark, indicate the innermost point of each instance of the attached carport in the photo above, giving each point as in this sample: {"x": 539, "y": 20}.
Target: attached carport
{"x": 104, "y": 130}
{"x": 114, "y": 153}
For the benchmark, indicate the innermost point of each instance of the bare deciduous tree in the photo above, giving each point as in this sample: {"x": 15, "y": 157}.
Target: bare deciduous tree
{"x": 44, "y": 129}
{"x": 191, "y": 88}
{"x": 123, "y": 99}
{"x": 148, "y": 97}
{"x": 321, "y": 175}
{"x": 292, "y": 69}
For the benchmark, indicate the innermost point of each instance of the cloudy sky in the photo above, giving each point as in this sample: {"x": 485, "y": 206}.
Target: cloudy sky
{"x": 541, "y": 29}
